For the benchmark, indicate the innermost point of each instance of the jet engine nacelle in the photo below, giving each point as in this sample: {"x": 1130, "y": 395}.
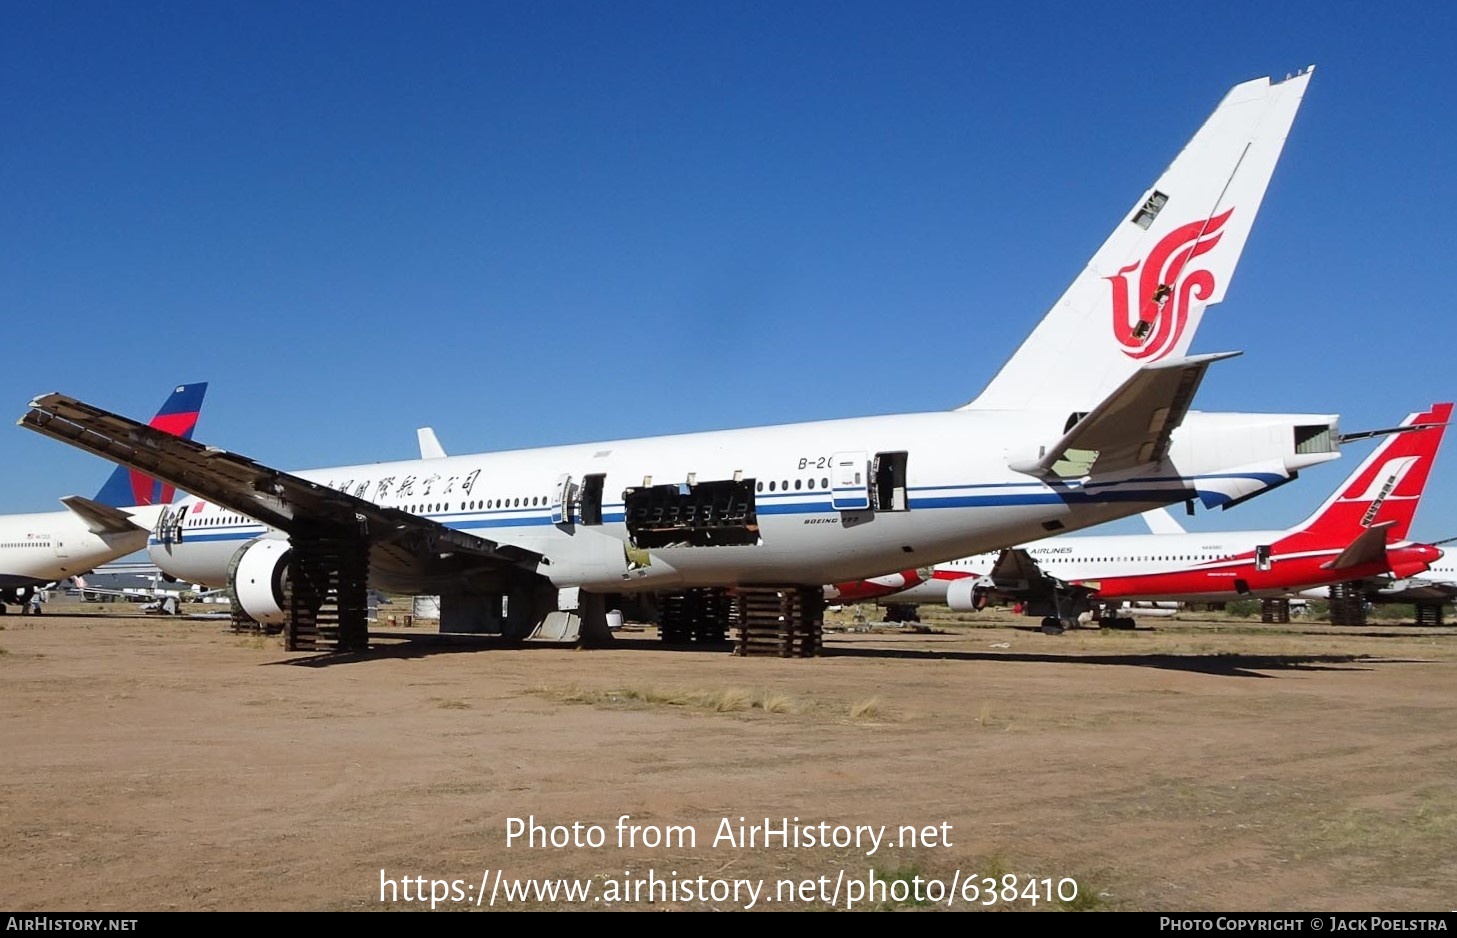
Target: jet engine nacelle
{"x": 967, "y": 594}
{"x": 257, "y": 574}
{"x": 19, "y": 595}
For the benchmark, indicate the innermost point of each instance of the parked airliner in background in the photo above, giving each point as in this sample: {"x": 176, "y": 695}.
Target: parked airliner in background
{"x": 1359, "y": 532}
{"x": 42, "y": 548}
{"x": 1430, "y": 590}
{"x": 1087, "y": 422}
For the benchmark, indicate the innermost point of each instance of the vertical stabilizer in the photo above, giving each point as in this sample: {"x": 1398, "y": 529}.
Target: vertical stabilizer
{"x": 1140, "y": 298}
{"x": 1159, "y": 521}
{"x": 1388, "y": 484}
{"x": 178, "y": 416}
{"x": 430, "y": 447}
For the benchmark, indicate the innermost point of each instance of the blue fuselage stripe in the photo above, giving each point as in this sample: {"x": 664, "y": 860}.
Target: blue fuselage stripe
{"x": 785, "y": 504}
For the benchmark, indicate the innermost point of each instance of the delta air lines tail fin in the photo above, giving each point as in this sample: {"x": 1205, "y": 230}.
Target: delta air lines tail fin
{"x": 1386, "y": 488}
{"x": 178, "y": 416}
{"x": 1141, "y": 297}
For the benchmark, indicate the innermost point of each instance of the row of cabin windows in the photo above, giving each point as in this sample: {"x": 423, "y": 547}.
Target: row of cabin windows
{"x": 28, "y": 544}
{"x": 210, "y": 520}
{"x": 970, "y": 563}
{"x": 476, "y": 505}
{"x": 798, "y": 485}
{"x": 532, "y": 502}
{"x": 1125, "y": 559}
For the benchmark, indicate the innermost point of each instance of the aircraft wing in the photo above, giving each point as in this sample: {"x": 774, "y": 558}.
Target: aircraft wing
{"x": 276, "y": 498}
{"x": 1017, "y": 578}
{"x": 1131, "y": 427}
{"x": 99, "y": 518}
{"x": 102, "y": 594}
{"x": 1015, "y": 564}
{"x": 1367, "y": 547}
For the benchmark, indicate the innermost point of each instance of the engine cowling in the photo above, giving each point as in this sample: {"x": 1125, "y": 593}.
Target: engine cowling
{"x": 257, "y": 574}
{"x": 967, "y": 594}
{"x": 19, "y": 595}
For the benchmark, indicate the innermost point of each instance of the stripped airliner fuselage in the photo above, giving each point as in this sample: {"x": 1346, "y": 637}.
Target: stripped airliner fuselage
{"x": 957, "y": 497}
{"x": 1088, "y": 421}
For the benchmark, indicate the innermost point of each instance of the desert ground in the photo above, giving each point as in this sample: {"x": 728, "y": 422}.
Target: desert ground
{"x": 1193, "y": 764}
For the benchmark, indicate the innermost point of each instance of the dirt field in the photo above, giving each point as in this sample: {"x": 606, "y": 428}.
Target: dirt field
{"x": 151, "y": 764}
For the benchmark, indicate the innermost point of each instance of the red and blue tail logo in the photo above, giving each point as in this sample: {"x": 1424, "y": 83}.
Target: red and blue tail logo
{"x": 178, "y": 417}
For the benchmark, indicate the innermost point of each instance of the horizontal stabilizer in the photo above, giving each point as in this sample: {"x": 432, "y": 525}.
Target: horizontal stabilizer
{"x": 1368, "y": 547}
{"x": 1242, "y": 483}
{"x": 99, "y": 518}
{"x": 1131, "y": 427}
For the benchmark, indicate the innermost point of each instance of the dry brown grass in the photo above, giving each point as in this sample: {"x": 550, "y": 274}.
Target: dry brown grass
{"x": 714, "y": 700}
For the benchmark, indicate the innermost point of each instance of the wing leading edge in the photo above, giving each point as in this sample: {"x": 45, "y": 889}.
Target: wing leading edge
{"x": 278, "y": 499}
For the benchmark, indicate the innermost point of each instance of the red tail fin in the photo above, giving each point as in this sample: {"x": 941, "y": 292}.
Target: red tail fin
{"x": 1388, "y": 485}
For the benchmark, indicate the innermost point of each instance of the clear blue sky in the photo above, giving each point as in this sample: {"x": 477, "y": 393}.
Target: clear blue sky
{"x": 553, "y": 222}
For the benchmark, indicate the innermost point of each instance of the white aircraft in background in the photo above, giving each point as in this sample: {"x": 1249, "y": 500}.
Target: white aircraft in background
{"x": 1358, "y": 533}
{"x": 43, "y": 548}
{"x": 1087, "y": 422}
{"x": 1429, "y": 591}
{"x": 141, "y": 583}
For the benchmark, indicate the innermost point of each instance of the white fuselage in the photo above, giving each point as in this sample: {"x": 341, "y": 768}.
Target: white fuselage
{"x": 41, "y": 548}
{"x": 960, "y": 496}
{"x": 1437, "y": 584}
{"x": 1099, "y": 557}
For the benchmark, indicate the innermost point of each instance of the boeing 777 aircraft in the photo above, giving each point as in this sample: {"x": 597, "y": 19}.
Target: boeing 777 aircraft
{"x": 1087, "y": 422}
{"x": 1359, "y": 532}
{"x": 37, "y": 549}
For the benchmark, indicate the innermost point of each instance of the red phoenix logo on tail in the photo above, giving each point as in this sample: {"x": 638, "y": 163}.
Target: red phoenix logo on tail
{"x": 1164, "y": 290}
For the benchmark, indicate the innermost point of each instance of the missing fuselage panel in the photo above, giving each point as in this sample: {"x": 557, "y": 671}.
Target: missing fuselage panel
{"x": 590, "y": 505}
{"x": 703, "y": 514}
